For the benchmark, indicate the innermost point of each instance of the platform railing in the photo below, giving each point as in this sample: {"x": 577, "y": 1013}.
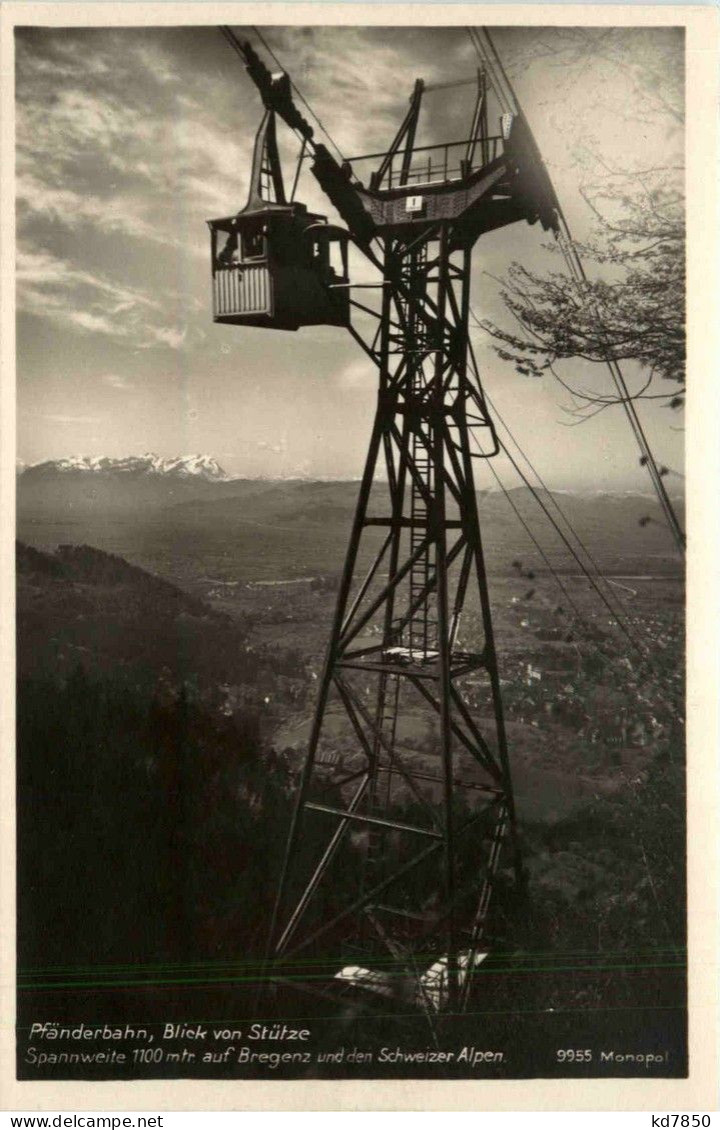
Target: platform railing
{"x": 439, "y": 163}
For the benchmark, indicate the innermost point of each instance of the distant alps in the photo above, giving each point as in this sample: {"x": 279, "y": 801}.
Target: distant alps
{"x": 178, "y": 467}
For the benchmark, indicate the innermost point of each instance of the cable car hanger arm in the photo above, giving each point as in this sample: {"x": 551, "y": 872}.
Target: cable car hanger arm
{"x": 275, "y": 90}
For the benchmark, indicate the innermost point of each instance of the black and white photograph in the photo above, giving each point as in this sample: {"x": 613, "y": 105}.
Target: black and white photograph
{"x": 350, "y": 550}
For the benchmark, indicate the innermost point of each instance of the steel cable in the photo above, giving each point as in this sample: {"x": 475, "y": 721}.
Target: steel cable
{"x": 596, "y": 568}
{"x": 506, "y": 96}
{"x": 299, "y": 93}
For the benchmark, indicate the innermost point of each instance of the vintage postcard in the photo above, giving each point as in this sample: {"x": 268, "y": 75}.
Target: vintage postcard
{"x": 359, "y": 358}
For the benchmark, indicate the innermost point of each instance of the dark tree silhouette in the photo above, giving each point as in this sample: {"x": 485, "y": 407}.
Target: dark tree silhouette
{"x": 633, "y": 306}
{"x": 636, "y": 312}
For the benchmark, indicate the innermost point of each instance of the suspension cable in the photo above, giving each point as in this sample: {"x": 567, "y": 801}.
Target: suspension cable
{"x": 485, "y": 49}
{"x": 579, "y": 616}
{"x": 598, "y": 571}
{"x": 575, "y": 267}
{"x": 299, "y": 93}
{"x": 617, "y": 617}
{"x": 619, "y": 620}
{"x": 639, "y": 646}
{"x": 612, "y": 596}
{"x": 659, "y": 675}
{"x": 548, "y": 564}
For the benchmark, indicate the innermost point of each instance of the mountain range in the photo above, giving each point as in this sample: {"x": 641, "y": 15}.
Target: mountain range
{"x": 206, "y": 468}
{"x": 178, "y": 467}
{"x": 184, "y": 520}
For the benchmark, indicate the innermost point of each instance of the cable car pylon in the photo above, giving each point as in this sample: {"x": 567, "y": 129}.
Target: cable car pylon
{"x": 399, "y": 839}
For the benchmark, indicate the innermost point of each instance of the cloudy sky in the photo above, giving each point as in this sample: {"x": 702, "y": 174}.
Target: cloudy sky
{"x": 129, "y": 139}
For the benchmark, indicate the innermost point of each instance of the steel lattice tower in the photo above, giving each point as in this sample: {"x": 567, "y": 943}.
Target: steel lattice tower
{"x": 412, "y": 634}
{"x": 432, "y": 549}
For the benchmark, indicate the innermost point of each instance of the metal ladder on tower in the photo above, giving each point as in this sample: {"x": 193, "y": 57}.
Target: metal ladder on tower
{"x": 422, "y": 627}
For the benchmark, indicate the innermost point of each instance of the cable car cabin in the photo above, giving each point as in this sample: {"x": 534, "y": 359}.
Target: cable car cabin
{"x": 280, "y": 267}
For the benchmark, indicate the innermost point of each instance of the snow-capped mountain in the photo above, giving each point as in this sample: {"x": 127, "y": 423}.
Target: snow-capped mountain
{"x": 179, "y": 466}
